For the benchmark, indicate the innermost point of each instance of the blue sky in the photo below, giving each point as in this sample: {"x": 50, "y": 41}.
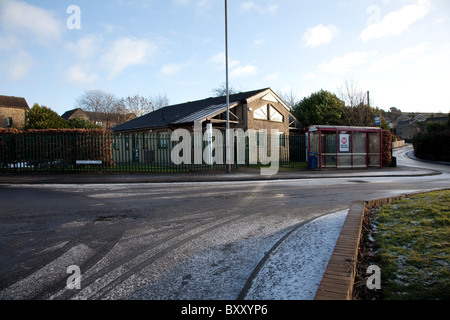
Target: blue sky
{"x": 399, "y": 50}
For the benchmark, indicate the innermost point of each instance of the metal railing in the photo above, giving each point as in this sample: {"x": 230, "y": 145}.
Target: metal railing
{"x": 92, "y": 151}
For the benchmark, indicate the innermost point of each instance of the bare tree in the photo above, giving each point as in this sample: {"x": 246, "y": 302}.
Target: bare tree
{"x": 358, "y": 111}
{"x": 159, "y": 101}
{"x": 140, "y": 105}
{"x": 137, "y": 105}
{"x": 99, "y": 101}
{"x": 221, "y": 91}
{"x": 104, "y": 102}
{"x": 290, "y": 98}
{"x": 352, "y": 94}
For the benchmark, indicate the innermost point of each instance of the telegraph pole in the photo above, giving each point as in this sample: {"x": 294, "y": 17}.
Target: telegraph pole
{"x": 228, "y": 92}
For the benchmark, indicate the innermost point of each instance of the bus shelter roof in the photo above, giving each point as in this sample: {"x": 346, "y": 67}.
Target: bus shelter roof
{"x": 343, "y": 128}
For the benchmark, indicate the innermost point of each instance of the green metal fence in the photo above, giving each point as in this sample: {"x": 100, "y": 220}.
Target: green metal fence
{"x": 98, "y": 151}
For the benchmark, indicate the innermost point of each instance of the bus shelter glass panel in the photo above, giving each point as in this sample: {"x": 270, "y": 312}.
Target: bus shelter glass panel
{"x": 314, "y": 142}
{"x": 360, "y": 149}
{"x": 374, "y": 149}
{"x": 328, "y": 150}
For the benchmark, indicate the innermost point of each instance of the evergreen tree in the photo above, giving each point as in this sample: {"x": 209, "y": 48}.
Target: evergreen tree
{"x": 320, "y": 108}
{"x": 41, "y": 117}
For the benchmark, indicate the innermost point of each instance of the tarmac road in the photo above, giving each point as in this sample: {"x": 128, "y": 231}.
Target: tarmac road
{"x": 183, "y": 241}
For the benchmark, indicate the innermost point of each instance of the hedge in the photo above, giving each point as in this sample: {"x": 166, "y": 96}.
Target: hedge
{"x": 55, "y": 147}
{"x": 433, "y": 146}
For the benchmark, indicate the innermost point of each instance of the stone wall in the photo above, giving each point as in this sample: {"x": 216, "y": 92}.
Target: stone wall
{"x": 17, "y": 114}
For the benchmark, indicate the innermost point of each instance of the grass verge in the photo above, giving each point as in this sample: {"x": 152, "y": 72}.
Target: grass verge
{"x": 410, "y": 241}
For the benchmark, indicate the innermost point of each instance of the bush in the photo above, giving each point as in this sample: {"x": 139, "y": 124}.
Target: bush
{"x": 41, "y": 117}
{"x": 387, "y": 148}
{"x": 78, "y": 123}
{"x": 433, "y": 146}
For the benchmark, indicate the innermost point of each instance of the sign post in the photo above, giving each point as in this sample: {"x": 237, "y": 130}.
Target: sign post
{"x": 377, "y": 120}
{"x": 228, "y": 151}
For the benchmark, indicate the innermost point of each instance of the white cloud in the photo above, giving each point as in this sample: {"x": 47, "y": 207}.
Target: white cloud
{"x": 396, "y": 22}
{"x": 394, "y": 59}
{"x": 76, "y": 75}
{"x": 251, "y": 6}
{"x": 344, "y": 64}
{"x": 126, "y": 52}
{"x": 201, "y": 7}
{"x": 272, "y": 77}
{"x": 181, "y": 2}
{"x": 258, "y": 42}
{"x": 85, "y": 47}
{"x": 247, "y": 6}
{"x": 172, "y": 68}
{"x": 319, "y": 35}
{"x": 19, "y": 65}
{"x": 219, "y": 61}
{"x": 21, "y": 18}
{"x": 243, "y": 71}
{"x": 271, "y": 8}
{"x": 234, "y": 66}
{"x": 9, "y": 42}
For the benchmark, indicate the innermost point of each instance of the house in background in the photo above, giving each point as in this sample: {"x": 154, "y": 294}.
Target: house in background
{"x": 106, "y": 120}
{"x": 13, "y": 112}
{"x": 408, "y": 129}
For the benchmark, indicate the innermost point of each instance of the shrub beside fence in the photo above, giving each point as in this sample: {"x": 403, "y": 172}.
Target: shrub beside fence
{"x": 96, "y": 150}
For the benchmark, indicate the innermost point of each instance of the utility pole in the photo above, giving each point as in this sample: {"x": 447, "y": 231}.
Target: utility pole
{"x": 228, "y": 165}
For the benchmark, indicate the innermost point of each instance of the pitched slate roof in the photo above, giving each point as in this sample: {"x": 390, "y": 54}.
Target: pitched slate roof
{"x": 184, "y": 112}
{"x": 99, "y": 116}
{"x": 69, "y": 113}
{"x": 14, "y": 102}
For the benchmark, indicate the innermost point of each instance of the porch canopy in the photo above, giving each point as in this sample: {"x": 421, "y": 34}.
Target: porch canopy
{"x": 345, "y": 146}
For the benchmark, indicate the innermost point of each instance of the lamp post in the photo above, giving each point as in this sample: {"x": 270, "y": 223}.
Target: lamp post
{"x": 228, "y": 92}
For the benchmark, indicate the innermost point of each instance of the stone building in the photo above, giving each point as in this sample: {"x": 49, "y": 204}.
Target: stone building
{"x": 106, "y": 120}
{"x": 13, "y": 112}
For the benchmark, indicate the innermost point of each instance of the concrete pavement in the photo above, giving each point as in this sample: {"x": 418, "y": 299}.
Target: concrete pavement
{"x": 244, "y": 174}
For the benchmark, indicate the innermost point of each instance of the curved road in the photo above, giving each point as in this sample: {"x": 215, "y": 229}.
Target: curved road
{"x": 165, "y": 241}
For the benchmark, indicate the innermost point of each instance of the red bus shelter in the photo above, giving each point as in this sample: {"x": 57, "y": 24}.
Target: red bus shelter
{"x": 345, "y": 146}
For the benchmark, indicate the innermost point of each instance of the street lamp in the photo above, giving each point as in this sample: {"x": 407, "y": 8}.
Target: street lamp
{"x": 228, "y": 92}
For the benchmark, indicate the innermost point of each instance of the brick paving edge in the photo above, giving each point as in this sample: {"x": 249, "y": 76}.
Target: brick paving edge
{"x": 338, "y": 279}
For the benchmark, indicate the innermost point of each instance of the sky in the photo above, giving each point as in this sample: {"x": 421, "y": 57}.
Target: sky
{"x": 52, "y": 51}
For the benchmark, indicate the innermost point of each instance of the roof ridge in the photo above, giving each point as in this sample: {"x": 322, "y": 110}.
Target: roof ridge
{"x": 217, "y": 98}
{"x": 177, "y": 112}
{"x": 14, "y": 102}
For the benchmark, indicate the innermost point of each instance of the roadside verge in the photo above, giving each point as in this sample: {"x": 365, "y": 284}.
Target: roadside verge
{"x": 338, "y": 279}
